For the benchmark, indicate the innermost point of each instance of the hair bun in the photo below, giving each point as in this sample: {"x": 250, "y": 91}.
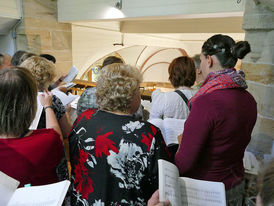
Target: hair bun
{"x": 240, "y": 49}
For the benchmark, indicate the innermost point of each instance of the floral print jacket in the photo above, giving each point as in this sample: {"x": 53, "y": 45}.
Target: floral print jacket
{"x": 114, "y": 159}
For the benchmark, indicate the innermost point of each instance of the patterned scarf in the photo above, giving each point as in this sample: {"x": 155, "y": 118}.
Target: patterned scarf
{"x": 223, "y": 79}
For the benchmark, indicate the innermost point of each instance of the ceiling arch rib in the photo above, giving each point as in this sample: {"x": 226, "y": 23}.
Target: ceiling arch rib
{"x": 182, "y": 51}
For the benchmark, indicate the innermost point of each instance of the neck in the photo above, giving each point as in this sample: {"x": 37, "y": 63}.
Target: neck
{"x": 117, "y": 112}
{"x": 183, "y": 88}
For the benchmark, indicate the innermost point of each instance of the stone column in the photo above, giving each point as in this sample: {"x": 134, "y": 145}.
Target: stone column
{"x": 40, "y": 32}
{"x": 258, "y": 66}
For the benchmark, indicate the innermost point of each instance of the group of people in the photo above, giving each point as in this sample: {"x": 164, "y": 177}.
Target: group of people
{"x": 113, "y": 153}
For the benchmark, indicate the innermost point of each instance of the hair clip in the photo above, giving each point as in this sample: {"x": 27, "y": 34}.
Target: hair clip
{"x": 215, "y": 46}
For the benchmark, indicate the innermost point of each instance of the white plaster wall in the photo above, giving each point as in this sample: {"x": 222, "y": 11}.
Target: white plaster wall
{"x": 71, "y": 10}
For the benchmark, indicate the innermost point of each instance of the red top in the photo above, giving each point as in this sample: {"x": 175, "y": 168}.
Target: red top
{"x": 32, "y": 159}
{"x": 216, "y": 135}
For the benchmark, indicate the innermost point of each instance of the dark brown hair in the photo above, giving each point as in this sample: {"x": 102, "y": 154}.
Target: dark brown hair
{"x": 225, "y": 49}
{"x": 111, "y": 60}
{"x": 18, "y": 91}
{"x": 25, "y": 56}
{"x": 15, "y": 60}
{"x": 182, "y": 72}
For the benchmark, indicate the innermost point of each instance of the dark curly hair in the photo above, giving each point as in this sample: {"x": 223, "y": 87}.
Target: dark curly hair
{"x": 182, "y": 72}
{"x": 225, "y": 49}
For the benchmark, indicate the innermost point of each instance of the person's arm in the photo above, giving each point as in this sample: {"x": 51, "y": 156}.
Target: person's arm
{"x": 196, "y": 132}
{"x": 51, "y": 121}
{"x": 158, "y": 150}
{"x": 65, "y": 124}
{"x": 57, "y": 82}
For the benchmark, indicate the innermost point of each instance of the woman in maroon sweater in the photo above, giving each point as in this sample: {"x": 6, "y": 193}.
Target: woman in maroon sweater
{"x": 33, "y": 157}
{"x": 221, "y": 120}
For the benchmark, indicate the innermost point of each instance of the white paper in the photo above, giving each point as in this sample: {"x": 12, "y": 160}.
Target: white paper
{"x": 69, "y": 85}
{"x": 8, "y": 186}
{"x": 71, "y": 75}
{"x": 169, "y": 189}
{"x": 65, "y": 99}
{"x": 74, "y": 103}
{"x": 202, "y": 193}
{"x": 171, "y": 128}
{"x": 183, "y": 191}
{"x": 48, "y": 195}
{"x": 37, "y": 117}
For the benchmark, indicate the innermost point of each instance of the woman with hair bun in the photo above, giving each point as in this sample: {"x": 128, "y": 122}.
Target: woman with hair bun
{"x": 222, "y": 117}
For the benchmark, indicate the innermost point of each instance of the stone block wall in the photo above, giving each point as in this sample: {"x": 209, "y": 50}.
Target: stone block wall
{"x": 259, "y": 69}
{"x": 40, "y": 32}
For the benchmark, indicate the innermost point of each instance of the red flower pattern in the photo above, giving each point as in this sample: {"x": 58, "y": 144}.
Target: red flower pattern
{"x": 103, "y": 145}
{"x": 87, "y": 114}
{"x": 147, "y": 140}
{"x": 154, "y": 130}
{"x": 84, "y": 182}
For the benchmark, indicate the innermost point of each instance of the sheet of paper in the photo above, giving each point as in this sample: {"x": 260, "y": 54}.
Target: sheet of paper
{"x": 69, "y": 85}
{"x": 65, "y": 99}
{"x": 171, "y": 128}
{"x": 202, "y": 193}
{"x": 168, "y": 183}
{"x": 71, "y": 75}
{"x": 8, "y": 186}
{"x": 74, "y": 103}
{"x": 48, "y": 195}
{"x": 39, "y": 110}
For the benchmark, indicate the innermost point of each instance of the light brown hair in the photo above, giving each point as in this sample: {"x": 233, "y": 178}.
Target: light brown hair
{"x": 18, "y": 91}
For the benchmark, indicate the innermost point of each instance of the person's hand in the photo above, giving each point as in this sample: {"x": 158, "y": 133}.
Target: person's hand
{"x": 62, "y": 89}
{"x": 68, "y": 107}
{"x": 154, "y": 200}
{"x": 180, "y": 138}
{"x": 46, "y": 98}
{"x": 62, "y": 78}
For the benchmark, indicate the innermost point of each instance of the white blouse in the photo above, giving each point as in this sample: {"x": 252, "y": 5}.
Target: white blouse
{"x": 170, "y": 104}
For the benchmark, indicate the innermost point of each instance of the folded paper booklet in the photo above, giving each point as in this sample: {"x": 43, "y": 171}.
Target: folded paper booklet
{"x": 65, "y": 98}
{"x": 183, "y": 191}
{"x": 71, "y": 75}
{"x": 50, "y": 195}
{"x": 171, "y": 128}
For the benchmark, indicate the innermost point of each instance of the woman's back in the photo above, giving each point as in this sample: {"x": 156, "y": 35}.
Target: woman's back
{"x": 170, "y": 104}
{"x": 114, "y": 159}
{"x": 216, "y": 134}
{"x": 33, "y": 159}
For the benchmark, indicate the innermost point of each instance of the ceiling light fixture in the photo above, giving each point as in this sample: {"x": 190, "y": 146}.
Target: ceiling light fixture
{"x": 118, "y": 4}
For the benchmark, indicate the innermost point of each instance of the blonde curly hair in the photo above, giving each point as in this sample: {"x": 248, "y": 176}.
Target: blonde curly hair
{"x": 42, "y": 70}
{"x": 116, "y": 86}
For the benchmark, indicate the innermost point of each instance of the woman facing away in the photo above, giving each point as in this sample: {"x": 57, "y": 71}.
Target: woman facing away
{"x": 222, "y": 117}
{"x": 114, "y": 155}
{"x": 29, "y": 156}
{"x": 44, "y": 73}
{"x": 170, "y": 104}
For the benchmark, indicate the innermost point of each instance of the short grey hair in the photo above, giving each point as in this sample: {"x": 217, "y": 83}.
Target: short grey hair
{"x": 116, "y": 86}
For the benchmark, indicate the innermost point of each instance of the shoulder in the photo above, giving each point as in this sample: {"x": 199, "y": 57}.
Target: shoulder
{"x": 45, "y": 133}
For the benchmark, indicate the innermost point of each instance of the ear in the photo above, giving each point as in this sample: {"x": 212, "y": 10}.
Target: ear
{"x": 209, "y": 61}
